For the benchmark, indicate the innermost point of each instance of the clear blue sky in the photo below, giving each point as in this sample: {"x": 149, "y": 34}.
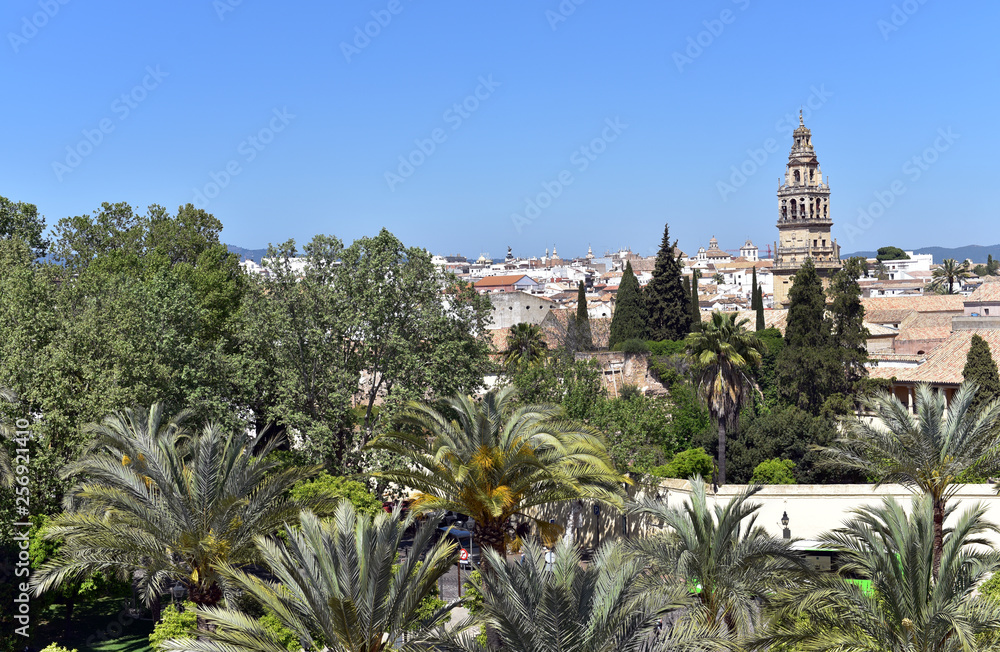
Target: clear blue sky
{"x": 223, "y": 71}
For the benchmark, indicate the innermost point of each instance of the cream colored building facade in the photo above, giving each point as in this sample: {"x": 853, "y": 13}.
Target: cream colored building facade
{"x": 804, "y": 218}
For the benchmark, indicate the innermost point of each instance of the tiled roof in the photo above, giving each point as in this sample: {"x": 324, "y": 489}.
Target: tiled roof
{"x": 923, "y": 303}
{"x": 878, "y": 330}
{"x": 945, "y": 363}
{"x": 885, "y": 316}
{"x": 925, "y": 326}
{"x": 499, "y": 281}
{"x": 988, "y": 292}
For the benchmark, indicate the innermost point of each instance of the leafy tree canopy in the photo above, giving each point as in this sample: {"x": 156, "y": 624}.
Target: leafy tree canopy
{"x": 891, "y": 253}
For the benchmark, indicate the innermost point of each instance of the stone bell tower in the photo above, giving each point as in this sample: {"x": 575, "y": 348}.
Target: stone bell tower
{"x": 804, "y": 220}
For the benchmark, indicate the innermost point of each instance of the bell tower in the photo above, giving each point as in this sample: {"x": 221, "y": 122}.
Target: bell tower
{"x": 804, "y": 220}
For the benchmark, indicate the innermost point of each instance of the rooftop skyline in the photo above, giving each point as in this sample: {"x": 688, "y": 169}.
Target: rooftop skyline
{"x": 443, "y": 119}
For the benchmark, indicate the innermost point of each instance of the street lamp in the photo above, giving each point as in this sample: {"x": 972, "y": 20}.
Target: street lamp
{"x": 786, "y": 533}
{"x": 178, "y": 592}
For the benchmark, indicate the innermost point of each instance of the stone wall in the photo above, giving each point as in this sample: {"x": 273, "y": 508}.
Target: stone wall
{"x": 624, "y": 369}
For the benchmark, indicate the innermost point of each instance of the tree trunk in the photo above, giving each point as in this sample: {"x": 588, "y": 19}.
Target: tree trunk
{"x": 491, "y": 535}
{"x": 938, "y": 534}
{"x": 574, "y": 522}
{"x": 722, "y": 452}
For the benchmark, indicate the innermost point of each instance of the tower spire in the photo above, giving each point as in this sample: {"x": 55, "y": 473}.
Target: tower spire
{"x": 801, "y": 124}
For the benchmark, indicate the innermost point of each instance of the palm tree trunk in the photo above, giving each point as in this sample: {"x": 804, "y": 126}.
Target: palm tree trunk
{"x": 490, "y": 535}
{"x": 722, "y": 451}
{"x": 938, "y": 533}
{"x": 574, "y": 521}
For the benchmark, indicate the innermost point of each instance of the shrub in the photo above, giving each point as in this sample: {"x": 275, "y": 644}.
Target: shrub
{"x": 774, "y": 471}
{"x": 55, "y": 647}
{"x": 174, "y": 624}
{"x": 687, "y": 464}
{"x": 285, "y": 636}
{"x": 632, "y": 346}
{"x": 355, "y": 492}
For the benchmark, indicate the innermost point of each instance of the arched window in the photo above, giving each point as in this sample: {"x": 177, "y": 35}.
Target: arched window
{"x": 796, "y": 177}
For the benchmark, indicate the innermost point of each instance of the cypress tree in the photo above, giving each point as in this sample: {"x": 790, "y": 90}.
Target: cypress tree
{"x": 759, "y": 294}
{"x": 805, "y": 369}
{"x": 687, "y": 287}
{"x": 669, "y": 312}
{"x": 981, "y": 369}
{"x": 848, "y": 334}
{"x": 695, "y": 302}
{"x": 629, "y": 319}
{"x": 584, "y": 341}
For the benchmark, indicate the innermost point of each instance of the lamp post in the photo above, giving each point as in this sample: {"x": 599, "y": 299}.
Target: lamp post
{"x": 177, "y": 592}
{"x": 786, "y": 533}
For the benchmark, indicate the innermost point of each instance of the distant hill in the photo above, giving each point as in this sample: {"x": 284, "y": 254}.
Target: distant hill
{"x": 256, "y": 254}
{"x": 977, "y": 253}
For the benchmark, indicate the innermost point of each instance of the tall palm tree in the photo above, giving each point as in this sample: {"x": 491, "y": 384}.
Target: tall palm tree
{"x": 725, "y": 354}
{"x": 525, "y": 345}
{"x": 336, "y": 585}
{"x": 728, "y": 560}
{"x": 170, "y": 506}
{"x": 600, "y": 608}
{"x": 950, "y": 272}
{"x": 492, "y": 462}
{"x": 907, "y": 608}
{"x": 928, "y": 451}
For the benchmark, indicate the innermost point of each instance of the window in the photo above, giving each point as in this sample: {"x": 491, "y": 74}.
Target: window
{"x": 796, "y": 176}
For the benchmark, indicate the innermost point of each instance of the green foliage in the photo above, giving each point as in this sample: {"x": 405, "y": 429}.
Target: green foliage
{"x": 950, "y": 273}
{"x": 668, "y": 306}
{"x": 629, "y": 319}
{"x": 55, "y": 647}
{"x": 284, "y": 636}
{"x": 891, "y": 253}
{"x": 766, "y": 373}
{"x": 638, "y": 430}
{"x": 329, "y": 487}
{"x": 585, "y": 341}
{"x": 687, "y": 464}
{"x": 695, "y": 301}
{"x": 22, "y": 221}
{"x": 990, "y": 589}
{"x": 774, "y": 471}
{"x": 807, "y": 367}
{"x": 525, "y": 346}
{"x": 174, "y": 623}
{"x": 848, "y": 335}
{"x": 689, "y": 418}
{"x": 574, "y": 384}
{"x": 981, "y": 369}
{"x": 632, "y": 346}
{"x": 757, "y": 304}
{"x": 788, "y": 433}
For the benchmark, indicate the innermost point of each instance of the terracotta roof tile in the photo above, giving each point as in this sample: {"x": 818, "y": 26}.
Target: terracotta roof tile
{"x": 922, "y": 303}
{"x": 945, "y": 363}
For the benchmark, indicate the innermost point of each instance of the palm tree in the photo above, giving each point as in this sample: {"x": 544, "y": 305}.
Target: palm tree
{"x": 928, "y": 452}
{"x": 721, "y": 554}
{"x": 337, "y": 585}
{"x": 950, "y": 272}
{"x": 600, "y": 608}
{"x": 909, "y": 607}
{"x": 169, "y": 506}
{"x": 525, "y": 345}
{"x": 493, "y": 462}
{"x": 725, "y": 353}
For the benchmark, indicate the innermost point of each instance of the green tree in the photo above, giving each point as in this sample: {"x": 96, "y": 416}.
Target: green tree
{"x": 668, "y": 307}
{"x": 774, "y": 471}
{"x": 169, "y": 505}
{"x": 585, "y": 342}
{"x": 492, "y": 463}
{"x": 808, "y": 366}
{"x": 758, "y": 302}
{"x": 948, "y": 274}
{"x": 337, "y": 585}
{"x": 687, "y": 464}
{"x": 330, "y": 488}
{"x": 981, "y": 369}
{"x": 575, "y": 385}
{"x": 695, "y": 301}
{"x": 525, "y": 346}
{"x": 629, "y": 319}
{"x": 638, "y": 430}
{"x": 848, "y": 335}
{"x": 891, "y": 253}
{"x": 928, "y": 451}
{"x": 570, "y": 608}
{"x": 725, "y": 355}
{"x": 720, "y": 554}
{"x": 178, "y": 621}
{"x": 911, "y": 606}
{"x": 22, "y": 221}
